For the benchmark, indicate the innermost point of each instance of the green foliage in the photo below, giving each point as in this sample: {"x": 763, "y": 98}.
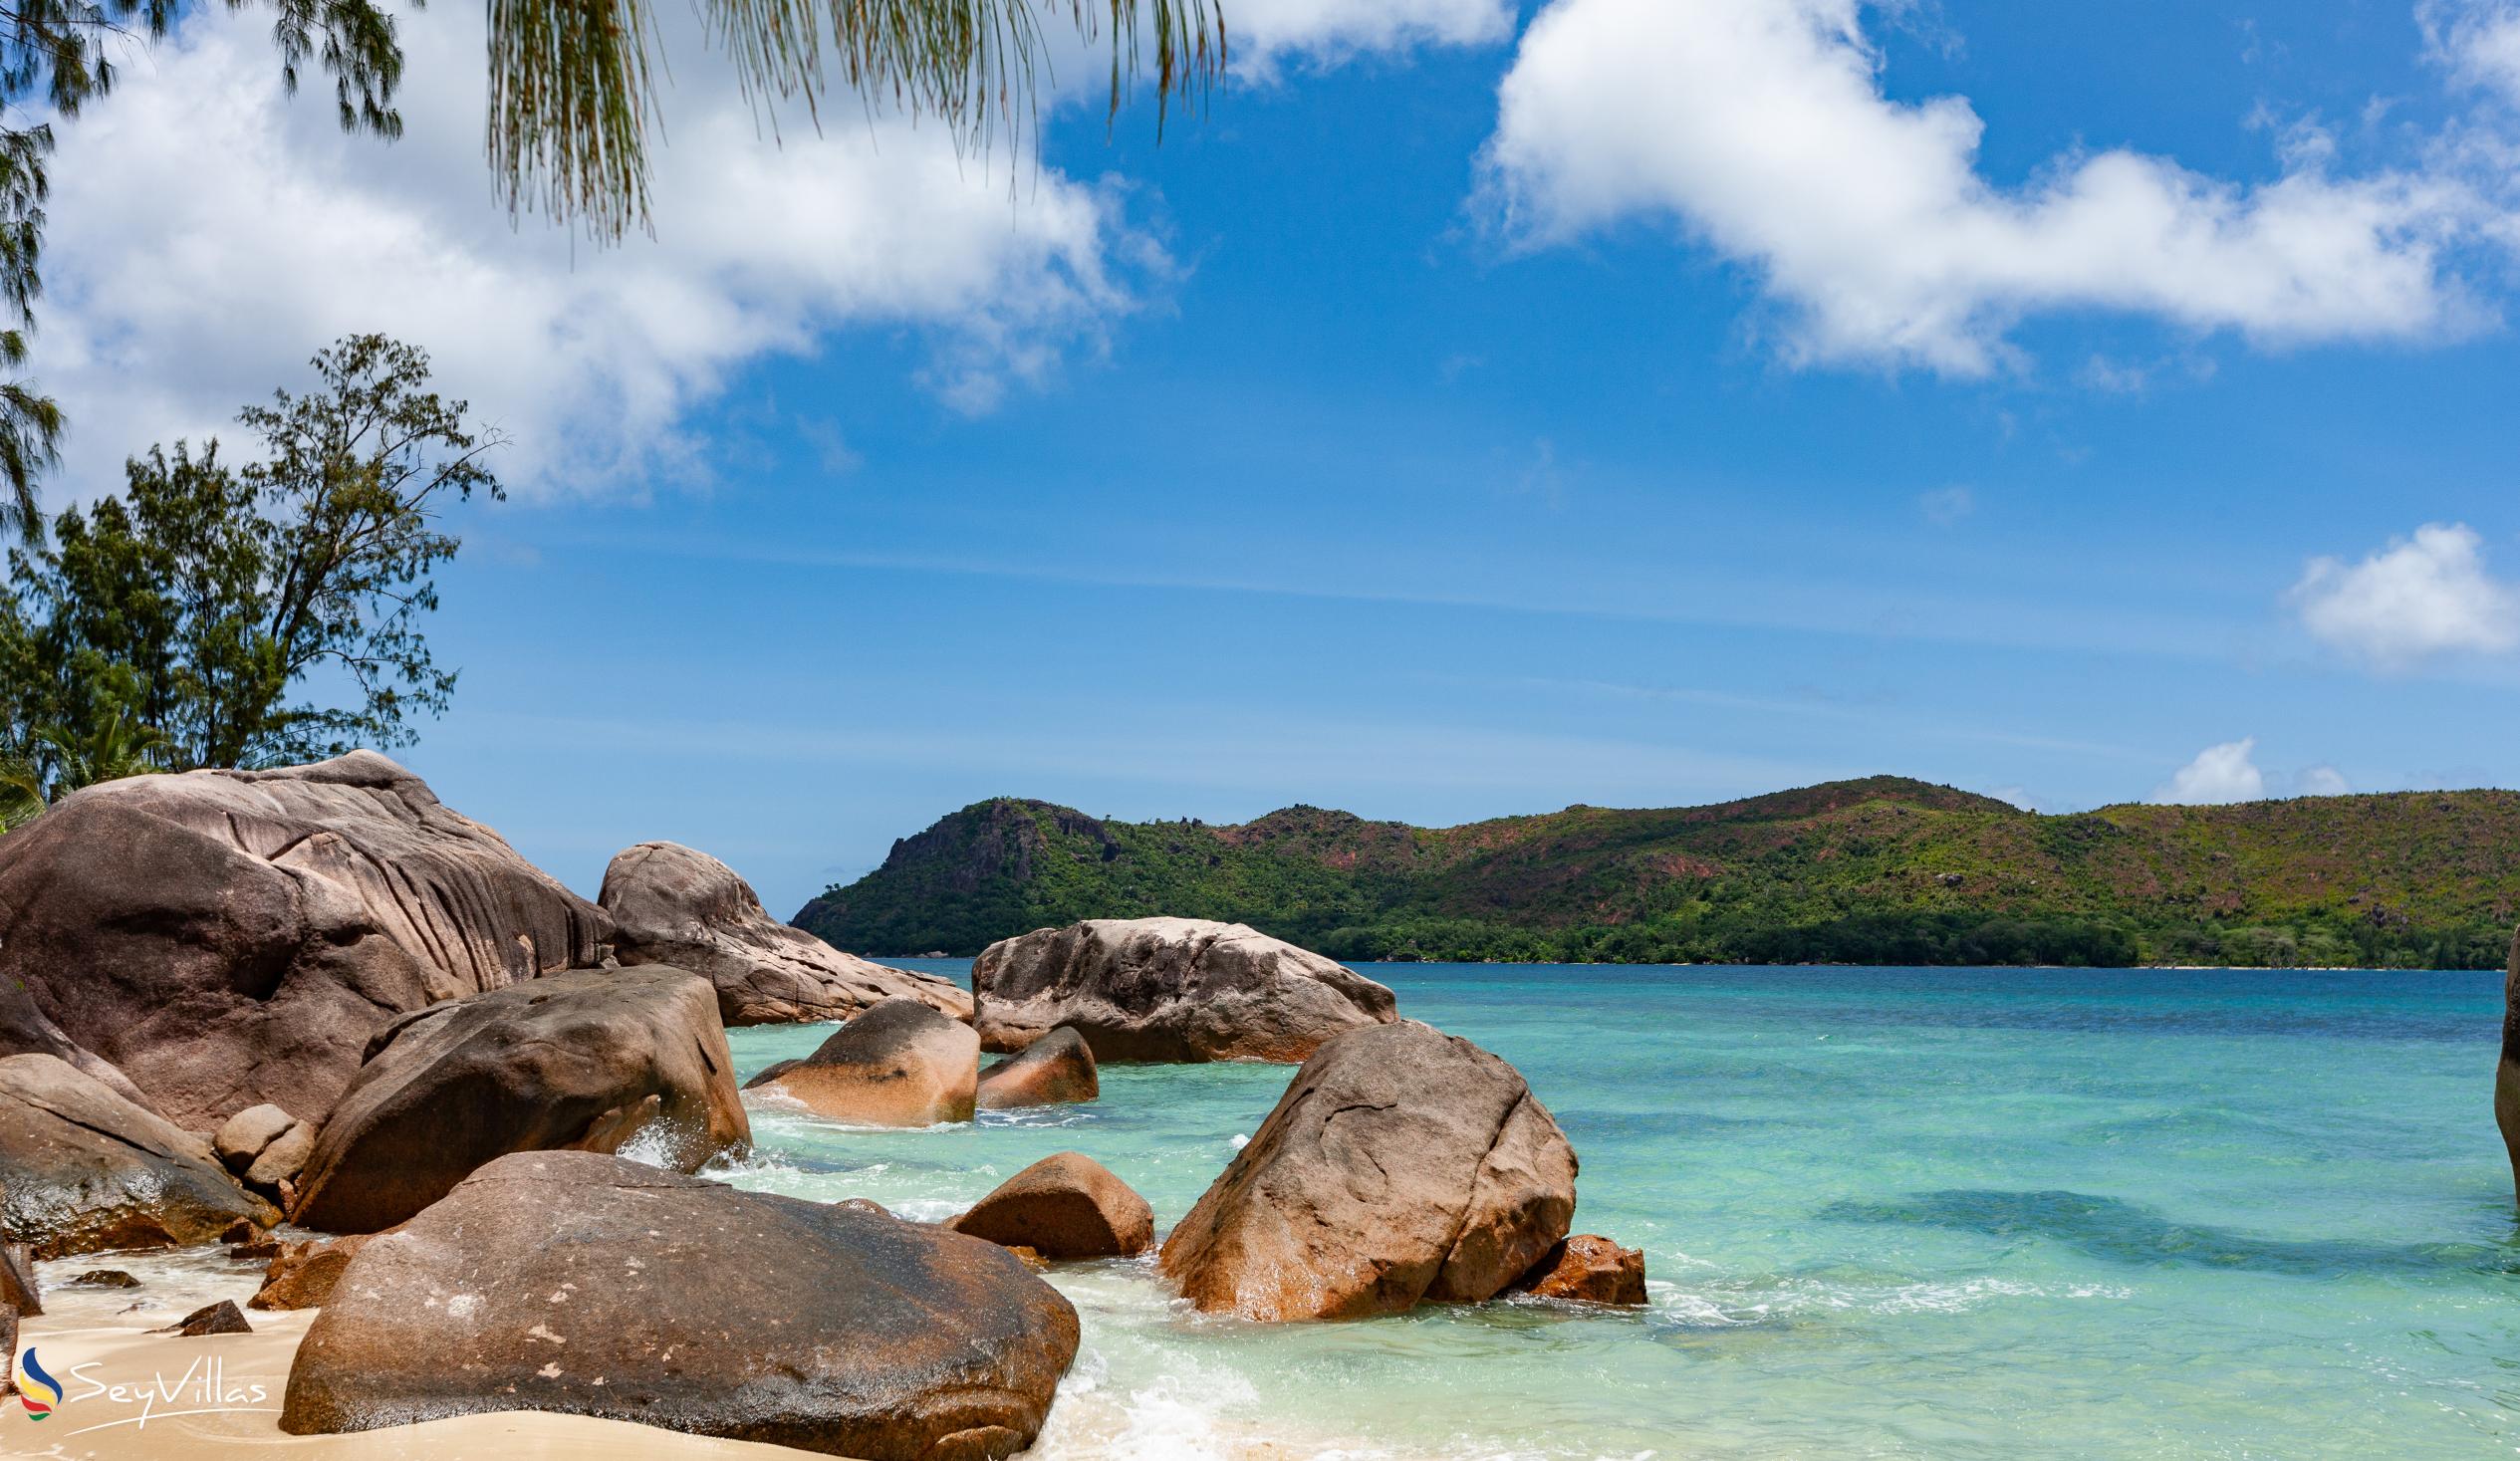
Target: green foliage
{"x": 189, "y": 609}
{"x": 573, "y": 81}
{"x": 1882, "y": 870}
{"x": 60, "y": 54}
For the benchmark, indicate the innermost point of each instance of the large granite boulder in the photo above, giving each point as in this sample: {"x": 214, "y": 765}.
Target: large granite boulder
{"x": 229, "y": 938}
{"x": 1402, "y": 1165}
{"x": 82, "y": 1169}
{"x": 586, "y": 1284}
{"x": 1056, "y": 1069}
{"x": 591, "y": 1059}
{"x": 1066, "y": 1205}
{"x": 1169, "y": 989}
{"x": 900, "y": 1063}
{"x": 673, "y": 905}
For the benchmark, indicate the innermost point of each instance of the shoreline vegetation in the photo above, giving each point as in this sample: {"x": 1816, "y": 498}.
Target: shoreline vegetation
{"x": 1882, "y": 870}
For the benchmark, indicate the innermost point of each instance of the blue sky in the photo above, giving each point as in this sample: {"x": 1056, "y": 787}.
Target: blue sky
{"x": 1468, "y": 416}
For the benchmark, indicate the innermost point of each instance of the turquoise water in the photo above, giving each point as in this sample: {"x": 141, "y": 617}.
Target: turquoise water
{"x": 1885, "y": 1212}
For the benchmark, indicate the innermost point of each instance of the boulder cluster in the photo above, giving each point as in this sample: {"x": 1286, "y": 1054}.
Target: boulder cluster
{"x": 316, "y": 996}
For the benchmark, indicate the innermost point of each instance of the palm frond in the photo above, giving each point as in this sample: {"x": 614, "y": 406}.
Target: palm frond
{"x": 573, "y": 96}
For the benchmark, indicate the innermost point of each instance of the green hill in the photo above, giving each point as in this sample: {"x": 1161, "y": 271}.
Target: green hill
{"x": 1878, "y": 871}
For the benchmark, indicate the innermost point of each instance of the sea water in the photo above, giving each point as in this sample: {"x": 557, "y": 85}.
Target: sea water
{"x": 1945, "y": 1213}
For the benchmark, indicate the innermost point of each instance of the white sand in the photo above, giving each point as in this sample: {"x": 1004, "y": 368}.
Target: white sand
{"x": 92, "y": 1338}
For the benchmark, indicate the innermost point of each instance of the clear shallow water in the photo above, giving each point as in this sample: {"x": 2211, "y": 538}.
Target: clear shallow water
{"x": 1930, "y": 1213}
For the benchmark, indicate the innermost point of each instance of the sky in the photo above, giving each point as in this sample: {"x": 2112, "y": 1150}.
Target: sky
{"x": 1475, "y": 409}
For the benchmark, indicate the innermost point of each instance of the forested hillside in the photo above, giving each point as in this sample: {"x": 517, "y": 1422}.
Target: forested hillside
{"x": 1878, "y": 871}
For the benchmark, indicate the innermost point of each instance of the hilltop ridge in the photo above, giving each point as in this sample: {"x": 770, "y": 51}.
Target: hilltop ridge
{"x": 1877, "y": 869}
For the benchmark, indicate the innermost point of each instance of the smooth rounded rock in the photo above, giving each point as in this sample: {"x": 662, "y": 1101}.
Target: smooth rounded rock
{"x": 900, "y": 1063}
{"x": 1169, "y": 990}
{"x": 590, "y": 1060}
{"x": 246, "y": 1134}
{"x": 1056, "y": 1069}
{"x": 1402, "y": 1165}
{"x": 232, "y": 939}
{"x": 581, "y": 1284}
{"x": 671, "y": 904}
{"x": 1064, "y": 1206}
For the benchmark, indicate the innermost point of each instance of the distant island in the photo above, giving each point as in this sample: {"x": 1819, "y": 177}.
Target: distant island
{"x": 1880, "y": 870}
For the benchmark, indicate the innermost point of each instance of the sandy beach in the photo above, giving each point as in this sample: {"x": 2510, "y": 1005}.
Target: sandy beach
{"x": 133, "y": 1395}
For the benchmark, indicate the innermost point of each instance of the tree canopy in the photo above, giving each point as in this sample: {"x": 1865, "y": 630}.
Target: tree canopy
{"x": 213, "y": 616}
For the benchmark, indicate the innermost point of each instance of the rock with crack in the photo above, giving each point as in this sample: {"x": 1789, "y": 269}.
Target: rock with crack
{"x": 673, "y": 905}
{"x": 230, "y": 938}
{"x": 1056, "y": 1069}
{"x": 1067, "y": 1206}
{"x": 1402, "y": 1165}
{"x": 588, "y": 1061}
{"x": 264, "y": 1146}
{"x": 577, "y": 1284}
{"x": 83, "y": 1169}
{"x": 1170, "y": 990}
{"x": 900, "y": 1063}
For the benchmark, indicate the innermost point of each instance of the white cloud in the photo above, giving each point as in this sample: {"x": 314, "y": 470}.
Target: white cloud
{"x": 209, "y": 234}
{"x": 2479, "y": 40}
{"x": 2411, "y": 600}
{"x": 2321, "y": 781}
{"x": 2219, "y": 773}
{"x": 1266, "y": 33}
{"x": 1762, "y": 128}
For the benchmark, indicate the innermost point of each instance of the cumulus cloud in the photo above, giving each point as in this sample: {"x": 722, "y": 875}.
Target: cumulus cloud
{"x": 1265, "y": 34}
{"x": 1761, "y": 127}
{"x": 2321, "y": 781}
{"x": 2223, "y": 773}
{"x": 207, "y": 234}
{"x": 2415, "y": 598}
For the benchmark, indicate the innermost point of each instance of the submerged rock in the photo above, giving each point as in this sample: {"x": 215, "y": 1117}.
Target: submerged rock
{"x": 900, "y": 1063}
{"x": 105, "y": 1278}
{"x": 1066, "y": 1205}
{"x": 1403, "y": 1164}
{"x": 1056, "y": 1069}
{"x": 673, "y": 905}
{"x": 589, "y": 1060}
{"x": 1589, "y": 1269}
{"x": 83, "y": 1169}
{"x": 1169, "y": 989}
{"x": 231, "y": 938}
{"x": 584, "y": 1285}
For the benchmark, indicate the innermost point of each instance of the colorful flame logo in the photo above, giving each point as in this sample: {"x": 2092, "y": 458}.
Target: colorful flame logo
{"x": 36, "y": 1387}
